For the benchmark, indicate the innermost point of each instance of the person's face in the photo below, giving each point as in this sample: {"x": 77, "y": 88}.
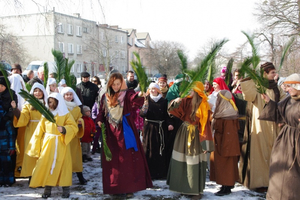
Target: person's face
{"x": 271, "y": 75}
{"x": 31, "y": 75}
{"x": 52, "y": 87}
{"x": 206, "y": 86}
{"x": 236, "y": 75}
{"x": 116, "y": 86}
{"x": 153, "y": 91}
{"x": 283, "y": 87}
{"x": 2, "y": 88}
{"x": 130, "y": 77}
{"x": 68, "y": 96}
{"x": 41, "y": 75}
{"x": 223, "y": 74}
{"x": 216, "y": 87}
{"x": 87, "y": 113}
{"x": 292, "y": 91}
{"x": 38, "y": 93}
{"x": 15, "y": 71}
{"x": 95, "y": 81}
{"x": 239, "y": 87}
{"x": 85, "y": 79}
{"x": 52, "y": 103}
{"x": 162, "y": 84}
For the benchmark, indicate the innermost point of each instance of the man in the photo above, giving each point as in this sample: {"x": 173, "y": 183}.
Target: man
{"x": 130, "y": 82}
{"x": 89, "y": 90}
{"x": 39, "y": 78}
{"x": 259, "y": 134}
{"x": 16, "y": 69}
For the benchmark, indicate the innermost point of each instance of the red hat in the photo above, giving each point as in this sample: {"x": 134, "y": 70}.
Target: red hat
{"x": 164, "y": 79}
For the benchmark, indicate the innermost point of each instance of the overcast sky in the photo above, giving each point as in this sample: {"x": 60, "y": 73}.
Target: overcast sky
{"x": 190, "y": 22}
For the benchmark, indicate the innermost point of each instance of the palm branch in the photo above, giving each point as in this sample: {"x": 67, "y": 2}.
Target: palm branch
{"x": 38, "y": 105}
{"x": 5, "y": 75}
{"x": 228, "y": 75}
{"x": 46, "y": 73}
{"x": 107, "y": 152}
{"x": 211, "y": 72}
{"x": 67, "y": 73}
{"x": 201, "y": 69}
{"x": 60, "y": 64}
{"x": 255, "y": 56}
{"x": 140, "y": 72}
{"x": 28, "y": 87}
{"x": 285, "y": 50}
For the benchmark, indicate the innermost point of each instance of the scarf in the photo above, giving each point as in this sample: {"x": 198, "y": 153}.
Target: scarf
{"x": 115, "y": 113}
{"x": 273, "y": 86}
{"x": 164, "y": 90}
{"x": 155, "y": 98}
{"x": 71, "y": 105}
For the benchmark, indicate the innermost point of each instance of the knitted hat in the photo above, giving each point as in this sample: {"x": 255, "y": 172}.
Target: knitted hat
{"x": 17, "y": 66}
{"x": 267, "y": 67}
{"x": 2, "y": 81}
{"x": 162, "y": 79}
{"x": 85, "y": 109}
{"x": 85, "y": 74}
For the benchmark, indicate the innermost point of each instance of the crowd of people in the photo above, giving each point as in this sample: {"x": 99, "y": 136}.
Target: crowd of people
{"x": 231, "y": 131}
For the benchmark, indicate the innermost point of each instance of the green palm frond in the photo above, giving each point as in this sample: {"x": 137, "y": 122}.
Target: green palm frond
{"x": 60, "y": 64}
{"x": 183, "y": 60}
{"x": 285, "y": 50}
{"x": 140, "y": 72}
{"x": 228, "y": 75}
{"x": 38, "y": 105}
{"x": 5, "y": 75}
{"x": 107, "y": 152}
{"x": 28, "y": 87}
{"x": 211, "y": 72}
{"x": 46, "y": 73}
{"x": 67, "y": 75}
{"x": 255, "y": 56}
{"x": 199, "y": 73}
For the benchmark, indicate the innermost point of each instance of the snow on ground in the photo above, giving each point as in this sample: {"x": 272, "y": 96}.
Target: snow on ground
{"x": 93, "y": 190}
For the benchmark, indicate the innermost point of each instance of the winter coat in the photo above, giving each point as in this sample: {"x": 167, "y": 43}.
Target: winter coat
{"x": 89, "y": 128}
{"x": 89, "y": 92}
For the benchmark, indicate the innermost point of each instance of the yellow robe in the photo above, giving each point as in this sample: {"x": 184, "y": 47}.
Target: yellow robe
{"x": 46, "y": 144}
{"x": 75, "y": 146}
{"x": 29, "y": 118}
{"x": 20, "y": 151}
{"x": 263, "y": 134}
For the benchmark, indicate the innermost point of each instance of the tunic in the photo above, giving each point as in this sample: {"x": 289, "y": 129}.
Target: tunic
{"x": 54, "y": 164}
{"x": 29, "y": 118}
{"x": 254, "y": 174}
{"x": 127, "y": 172}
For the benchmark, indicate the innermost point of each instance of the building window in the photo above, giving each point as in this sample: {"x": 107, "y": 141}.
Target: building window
{"x": 78, "y": 31}
{"x": 60, "y": 28}
{"x": 122, "y": 39}
{"x": 79, "y": 67}
{"x": 102, "y": 35}
{"x": 79, "y": 49}
{"x": 70, "y": 48}
{"x": 122, "y": 54}
{"x": 116, "y": 39}
{"x": 70, "y": 29}
{"x": 85, "y": 29}
{"x": 61, "y": 46}
{"x": 104, "y": 52}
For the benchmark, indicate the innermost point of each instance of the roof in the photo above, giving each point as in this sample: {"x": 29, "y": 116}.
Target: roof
{"x": 142, "y": 36}
{"x": 129, "y": 30}
{"x": 138, "y": 43}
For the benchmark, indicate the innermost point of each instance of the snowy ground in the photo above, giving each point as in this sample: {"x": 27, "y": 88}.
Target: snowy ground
{"x": 93, "y": 190}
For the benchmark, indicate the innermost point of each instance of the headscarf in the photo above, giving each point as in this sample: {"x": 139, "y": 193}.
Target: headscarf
{"x": 222, "y": 85}
{"x": 156, "y": 87}
{"x": 75, "y": 97}
{"x": 225, "y": 106}
{"x": 62, "y": 82}
{"x": 293, "y": 81}
{"x": 50, "y": 82}
{"x": 17, "y": 83}
{"x": 61, "y": 108}
{"x": 41, "y": 87}
{"x": 202, "y": 112}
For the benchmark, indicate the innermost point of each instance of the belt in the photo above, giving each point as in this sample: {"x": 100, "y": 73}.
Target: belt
{"x": 161, "y": 134}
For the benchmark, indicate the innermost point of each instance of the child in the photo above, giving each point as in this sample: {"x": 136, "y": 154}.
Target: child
{"x": 50, "y": 143}
{"x": 89, "y": 131}
{"x": 51, "y": 86}
{"x": 72, "y": 101}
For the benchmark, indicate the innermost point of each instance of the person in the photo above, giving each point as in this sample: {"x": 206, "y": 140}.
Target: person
{"x": 163, "y": 85}
{"x": 130, "y": 81}
{"x": 208, "y": 88}
{"x": 28, "y": 76}
{"x": 39, "y": 78}
{"x": 227, "y": 149}
{"x": 187, "y": 171}
{"x": 89, "y": 132}
{"x": 50, "y": 144}
{"x": 7, "y": 135}
{"x": 97, "y": 81}
{"x": 223, "y": 72}
{"x": 255, "y": 155}
{"x": 89, "y": 91}
{"x": 96, "y": 146}
{"x": 127, "y": 172}
{"x": 284, "y": 163}
{"x": 73, "y": 103}
{"x": 16, "y": 69}
{"x": 29, "y": 117}
{"x": 51, "y": 86}
{"x": 155, "y": 135}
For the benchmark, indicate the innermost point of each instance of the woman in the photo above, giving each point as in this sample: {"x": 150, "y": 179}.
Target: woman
{"x": 284, "y": 174}
{"x": 50, "y": 144}
{"x": 163, "y": 86}
{"x": 227, "y": 149}
{"x": 155, "y": 133}
{"x": 187, "y": 172}
{"x": 208, "y": 88}
{"x": 29, "y": 117}
{"x": 127, "y": 172}
{"x": 97, "y": 81}
{"x": 72, "y": 101}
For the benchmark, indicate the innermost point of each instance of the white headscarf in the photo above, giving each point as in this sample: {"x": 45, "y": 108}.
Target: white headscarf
{"x": 156, "y": 86}
{"x": 50, "y": 82}
{"x": 293, "y": 81}
{"x": 62, "y": 82}
{"x": 17, "y": 83}
{"x": 61, "y": 108}
{"x": 41, "y": 87}
{"x": 75, "y": 97}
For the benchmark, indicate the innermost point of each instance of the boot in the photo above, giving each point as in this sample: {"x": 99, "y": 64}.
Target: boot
{"x": 225, "y": 190}
{"x": 47, "y": 192}
{"x": 66, "y": 192}
{"x": 82, "y": 180}
{"x": 84, "y": 158}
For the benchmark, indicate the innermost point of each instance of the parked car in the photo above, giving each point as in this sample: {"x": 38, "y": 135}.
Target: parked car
{"x": 34, "y": 66}
{"x": 7, "y": 66}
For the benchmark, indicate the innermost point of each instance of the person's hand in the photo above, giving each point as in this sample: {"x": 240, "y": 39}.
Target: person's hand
{"x": 265, "y": 97}
{"x": 13, "y": 104}
{"x": 205, "y": 152}
{"x": 170, "y": 128}
{"x": 234, "y": 82}
{"x": 142, "y": 94}
{"x": 79, "y": 122}
{"x": 60, "y": 129}
{"x": 99, "y": 123}
{"x": 178, "y": 100}
{"x": 11, "y": 152}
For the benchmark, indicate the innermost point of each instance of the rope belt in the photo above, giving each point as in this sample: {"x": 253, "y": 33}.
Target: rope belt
{"x": 55, "y": 152}
{"x": 161, "y": 133}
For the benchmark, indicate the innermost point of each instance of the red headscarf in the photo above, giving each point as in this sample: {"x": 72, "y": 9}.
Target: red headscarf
{"x": 222, "y": 85}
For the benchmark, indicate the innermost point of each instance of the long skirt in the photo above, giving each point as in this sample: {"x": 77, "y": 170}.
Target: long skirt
{"x": 187, "y": 170}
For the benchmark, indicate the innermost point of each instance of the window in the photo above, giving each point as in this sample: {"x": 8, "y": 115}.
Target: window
{"x": 60, "y": 28}
{"x": 70, "y": 48}
{"x": 116, "y": 39}
{"x": 85, "y": 29}
{"x": 104, "y": 52}
{"x": 102, "y": 35}
{"x": 79, "y": 49}
{"x": 70, "y": 29}
{"x": 122, "y": 54}
{"x": 79, "y": 67}
{"x": 78, "y": 31}
{"x": 122, "y": 39}
{"x": 61, "y": 46}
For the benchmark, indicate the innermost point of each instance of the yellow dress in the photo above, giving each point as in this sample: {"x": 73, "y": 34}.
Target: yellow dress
{"x": 54, "y": 164}
{"x": 29, "y": 119}
{"x": 19, "y": 150}
{"x": 75, "y": 146}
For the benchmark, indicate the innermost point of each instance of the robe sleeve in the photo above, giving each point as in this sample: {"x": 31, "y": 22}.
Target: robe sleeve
{"x": 270, "y": 112}
{"x": 34, "y": 146}
{"x": 135, "y": 100}
{"x": 176, "y": 109}
{"x": 71, "y": 128}
{"x": 77, "y": 117}
{"x": 24, "y": 117}
{"x": 249, "y": 90}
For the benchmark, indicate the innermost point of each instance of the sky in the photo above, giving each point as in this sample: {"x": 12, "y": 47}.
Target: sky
{"x": 193, "y": 23}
